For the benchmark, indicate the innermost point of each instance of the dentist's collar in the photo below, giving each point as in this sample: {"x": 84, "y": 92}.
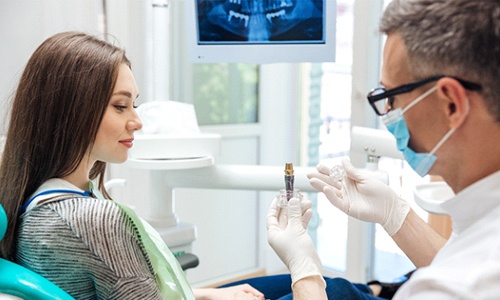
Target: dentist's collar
{"x": 475, "y": 201}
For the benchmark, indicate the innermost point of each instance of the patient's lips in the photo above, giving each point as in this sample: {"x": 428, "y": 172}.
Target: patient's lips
{"x": 127, "y": 142}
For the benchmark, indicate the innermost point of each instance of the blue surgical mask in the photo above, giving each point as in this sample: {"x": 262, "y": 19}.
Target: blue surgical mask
{"x": 396, "y": 124}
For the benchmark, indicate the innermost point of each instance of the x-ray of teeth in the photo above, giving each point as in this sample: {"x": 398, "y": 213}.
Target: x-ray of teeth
{"x": 260, "y": 21}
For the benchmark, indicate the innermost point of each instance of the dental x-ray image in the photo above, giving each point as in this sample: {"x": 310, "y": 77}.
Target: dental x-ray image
{"x": 260, "y": 21}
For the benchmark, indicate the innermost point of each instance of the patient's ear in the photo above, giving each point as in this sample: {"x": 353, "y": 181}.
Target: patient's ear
{"x": 458, "y": 105}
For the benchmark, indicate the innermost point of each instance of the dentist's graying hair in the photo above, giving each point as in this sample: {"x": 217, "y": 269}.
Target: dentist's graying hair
{"x": 56, "y": 112}
{"x": 451, "y": 37}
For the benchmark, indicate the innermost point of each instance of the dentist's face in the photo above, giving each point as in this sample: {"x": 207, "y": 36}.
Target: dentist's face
{"x": 116, "y": 132}
{"x": 422, "y": 123}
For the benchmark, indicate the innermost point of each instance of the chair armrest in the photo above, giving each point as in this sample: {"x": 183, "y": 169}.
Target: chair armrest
{"x": 187, "y": 260}
{"x": 24, "y": 283}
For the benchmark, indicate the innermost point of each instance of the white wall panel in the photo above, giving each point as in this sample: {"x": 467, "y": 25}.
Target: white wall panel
{"x": 25, "y": 24}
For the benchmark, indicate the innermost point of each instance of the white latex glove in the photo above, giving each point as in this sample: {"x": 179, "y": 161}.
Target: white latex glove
{"x": 362, "y": 196}
{"x": 287, "y": 235}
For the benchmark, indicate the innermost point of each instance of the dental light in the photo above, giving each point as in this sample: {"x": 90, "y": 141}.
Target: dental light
{"x": 368, "y": 145}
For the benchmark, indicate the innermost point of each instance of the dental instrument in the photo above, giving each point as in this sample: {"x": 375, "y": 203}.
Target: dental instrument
{"x": 289, "y": 179}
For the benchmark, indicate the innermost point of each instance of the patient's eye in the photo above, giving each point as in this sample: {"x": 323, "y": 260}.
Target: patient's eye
{"x": 120, "y": 107}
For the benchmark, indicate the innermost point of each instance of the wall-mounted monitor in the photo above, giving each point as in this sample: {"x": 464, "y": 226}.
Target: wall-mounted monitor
{"x": 261, "y": 31}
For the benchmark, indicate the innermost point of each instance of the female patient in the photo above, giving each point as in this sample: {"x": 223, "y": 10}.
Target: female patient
{"x": 73, "y": 112}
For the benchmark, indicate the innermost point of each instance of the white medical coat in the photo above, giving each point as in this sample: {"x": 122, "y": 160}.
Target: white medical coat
{"x": 468, "y": 266}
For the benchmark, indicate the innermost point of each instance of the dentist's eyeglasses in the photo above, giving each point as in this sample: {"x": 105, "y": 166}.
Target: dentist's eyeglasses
{"x": 382, "y": 100}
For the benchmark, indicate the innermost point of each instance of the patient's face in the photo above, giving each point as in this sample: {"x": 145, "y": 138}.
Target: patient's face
{"x": 116, "y": 132}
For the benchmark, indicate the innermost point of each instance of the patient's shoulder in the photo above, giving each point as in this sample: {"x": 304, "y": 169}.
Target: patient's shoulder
{"x": 91, "y": 220}
{"x": 77, "y": 211}
{"x": 96, "y": 226}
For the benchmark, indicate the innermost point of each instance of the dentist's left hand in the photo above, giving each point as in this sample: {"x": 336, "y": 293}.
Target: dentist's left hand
{"x": 362, "y": 196}
{"x": 287, "y": 235}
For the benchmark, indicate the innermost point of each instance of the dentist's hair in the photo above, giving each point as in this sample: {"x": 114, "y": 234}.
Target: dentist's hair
{"x": 451, "y": 37}
{"x": 56, "y": 112}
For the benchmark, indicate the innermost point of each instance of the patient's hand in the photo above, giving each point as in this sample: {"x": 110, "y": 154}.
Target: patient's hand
{"x": 237, "y": 292}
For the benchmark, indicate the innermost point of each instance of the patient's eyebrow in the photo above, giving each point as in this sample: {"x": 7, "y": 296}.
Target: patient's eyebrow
{"x": 124, "y": 93}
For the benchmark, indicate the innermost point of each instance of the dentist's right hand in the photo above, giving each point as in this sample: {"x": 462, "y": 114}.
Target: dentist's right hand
{"x": 287, "y": 235}
{"x": 362, "y": 196}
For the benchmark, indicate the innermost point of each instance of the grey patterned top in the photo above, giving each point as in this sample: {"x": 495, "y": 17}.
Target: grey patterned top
{"x": 88, "y": 247}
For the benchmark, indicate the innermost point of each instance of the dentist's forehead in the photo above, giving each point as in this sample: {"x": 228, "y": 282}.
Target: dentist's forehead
{"x": 395, "y": 66}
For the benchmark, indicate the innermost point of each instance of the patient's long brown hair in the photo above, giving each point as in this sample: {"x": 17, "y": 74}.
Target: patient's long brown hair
{"x": 56, "y": 112}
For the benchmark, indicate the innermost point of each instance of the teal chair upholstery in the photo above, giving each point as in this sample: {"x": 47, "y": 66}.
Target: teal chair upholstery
{"x": 24, "y": 283}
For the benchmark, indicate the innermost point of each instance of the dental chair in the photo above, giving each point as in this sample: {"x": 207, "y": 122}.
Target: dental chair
{"x": 21, "y": 282}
